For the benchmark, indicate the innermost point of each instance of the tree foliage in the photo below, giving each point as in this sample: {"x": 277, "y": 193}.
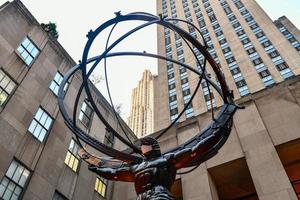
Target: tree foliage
{"x": 50, "y": 28}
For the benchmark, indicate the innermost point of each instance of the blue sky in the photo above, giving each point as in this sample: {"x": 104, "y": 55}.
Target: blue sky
{"x": 75, "y": 18}
{"x": 277, "y": 8}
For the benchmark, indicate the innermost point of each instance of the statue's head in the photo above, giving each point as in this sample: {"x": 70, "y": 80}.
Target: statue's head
{"x": 150, "y": 147}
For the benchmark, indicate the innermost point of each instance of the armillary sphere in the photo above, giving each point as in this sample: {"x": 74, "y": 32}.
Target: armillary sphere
{"x": 219, "y": 128}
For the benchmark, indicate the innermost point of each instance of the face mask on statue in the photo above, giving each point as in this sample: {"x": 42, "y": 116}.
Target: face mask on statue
{"x": 150, "y": 148}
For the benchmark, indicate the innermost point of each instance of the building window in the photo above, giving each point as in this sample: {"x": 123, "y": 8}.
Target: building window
{"x": 208, "y": 97}
{"x": 257, "y": 61}
{"x": 174, "y": 111}
{"x": 266, "y": 44}
{"x": 182, "y": 70}
{"x": 14, "y": 181}
{"x": 274, "y": 54}
{"x": 241, "y": 83}
{"x": 282, "y": 66}
{"x": 109, "y": 138}
{"x": 72, "y": 157}
{"x": 186, "y": 92}
{"x": 264, "y": 74}
{"x": 28, "y": 51}
{"x": 100, "y": 186}
{"x": 7, "y": 86}
{"x": 86, "y": 114}
{"x": 226, "y": 50}
{"x": 171, "y": 76}
{"x": 245, "y": 41}
{"x": 40, "y": 124}
{"x": 58, "y": 196}
{"x": 235, "y": 71}
{"x": 260, "y": 34}
{"x": 172, "y": 86}
{"x": 54, "y": 86}
{"x": 230, "y": 60}
{"x": 223, "y": 41}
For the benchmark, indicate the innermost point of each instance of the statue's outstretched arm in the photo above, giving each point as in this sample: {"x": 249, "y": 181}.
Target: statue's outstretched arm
{"x": 183, "y": 157}
{"x": 207, "y": 144}
{"x": 120, "y": 174}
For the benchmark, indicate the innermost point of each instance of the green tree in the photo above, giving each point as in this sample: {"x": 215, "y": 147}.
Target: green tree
{"x": 50, "y": 28}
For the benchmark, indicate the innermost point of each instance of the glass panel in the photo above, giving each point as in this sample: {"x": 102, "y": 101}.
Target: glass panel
{"x": 96, "y": 184}
{"x": 75, "y": 149}
{"x": 32, "y": 126}
{"x": 103, "y": 190}
{"x": 71, "y": 146}
{"x": 43, "y": 118}
{"x": 71, "y": 162}
{"x": 75, "y": 164}
{"x": 48, "y": 123}
{"x": 18, "y": 173}
{"x": 14, "y": 197}
{"x": 3, "y": 97}
{"x": 80, "y": 116}
{"x": 11, "y": 169}
{"x": 24, "y": 55}
{"x": 2, "y": 189}
{"x": 18, "y": 190}
{"x": 24, "y": 178}
{"x": 37, "y": 131}
{"x": 52, "y": 85}
{"x": 39, "y": 114}
{"x": 42, "y": 135}
{"x": 83, "y": 106}
{"x": 4, "y": 82}
{"x": 34, "y": 52}
{"x": 10, "y": 87}
{"x": 56, "y": 90}
{"x": 57, "y": 77}
{"x": 26, "y": 42}
{"x": 67, "y": 159}
{"x": 28, "y": 60}
{"x": 20, "y": 49}
{"x": 9, "y": 191}
{"x": 30, "y": 47}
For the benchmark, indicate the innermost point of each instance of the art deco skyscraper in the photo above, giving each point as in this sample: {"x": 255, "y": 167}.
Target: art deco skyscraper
{"x": 253, "y": 54}
{"x": 141, "y": 113}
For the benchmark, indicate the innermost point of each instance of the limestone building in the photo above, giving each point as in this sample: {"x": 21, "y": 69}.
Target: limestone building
{"x": 140, "y": 119}
{"x": 261, "y": 63}
{"x": 39, "y": 158}
{"x": 253, "y": 54}
{"x": 289, "y": 30}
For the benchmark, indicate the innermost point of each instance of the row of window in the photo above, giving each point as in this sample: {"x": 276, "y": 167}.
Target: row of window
{"x": 186, "y": 93}
{"x": 170, "y": 69}
{"x": 288, "y": 35}
{"x": 229, "y": 57}
{"x": 207, "y": 92}
{"x": 17, "y": 177}
{"x": 277, "y": 60}
{"x": 252, "y": 53}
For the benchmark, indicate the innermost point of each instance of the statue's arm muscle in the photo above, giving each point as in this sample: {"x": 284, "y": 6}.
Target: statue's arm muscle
{"x": 183, "y": 157}
{"x": 120, "y": 174}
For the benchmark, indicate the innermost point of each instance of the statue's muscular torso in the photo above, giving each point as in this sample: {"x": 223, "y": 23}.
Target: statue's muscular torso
{"x": 151, "y": 176}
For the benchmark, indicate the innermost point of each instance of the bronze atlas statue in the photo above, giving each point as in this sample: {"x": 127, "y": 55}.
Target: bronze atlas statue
{"x": 152, "y": 171}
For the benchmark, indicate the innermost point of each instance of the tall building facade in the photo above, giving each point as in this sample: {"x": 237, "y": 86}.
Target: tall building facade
{"x": 261, "y": 63}
{"x": 140, "y": 119}
{"x": 242, "y": 38}
{"x": 289, "y": 30}
{"x": 39, "y": 157}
